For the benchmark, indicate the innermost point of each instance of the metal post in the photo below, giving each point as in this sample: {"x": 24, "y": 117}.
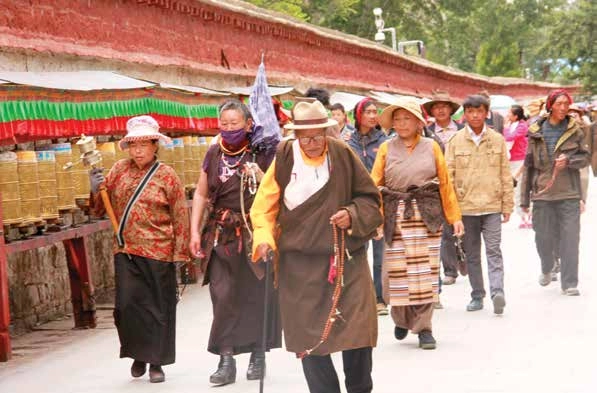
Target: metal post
{"x": 5, "y": 349}
{"x": 81, "y": 287}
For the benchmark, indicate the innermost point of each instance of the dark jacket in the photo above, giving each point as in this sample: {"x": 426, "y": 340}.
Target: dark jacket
{"x": 539, "y": 165}
{"x": 366, "y": 146}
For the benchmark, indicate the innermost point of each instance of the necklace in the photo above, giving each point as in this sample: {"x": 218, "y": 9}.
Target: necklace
{"x": 234, "y": 165}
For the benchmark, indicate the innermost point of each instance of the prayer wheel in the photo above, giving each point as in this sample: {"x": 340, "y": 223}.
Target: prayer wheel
{"x": 48, "y": 196}
{"x": 29, "y": 186}
{"x": 108, "y": 152}
{"x": 80, "y": 176}
{"x": 191, "y": 172}
{"x": 203, "y": 147}
{"x": 178, "y": 149}
{"x": 9, "y": 187}
{"x": 64, "y": 178}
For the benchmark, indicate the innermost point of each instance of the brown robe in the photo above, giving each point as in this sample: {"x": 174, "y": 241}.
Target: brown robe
{"x": 306, "y": 244}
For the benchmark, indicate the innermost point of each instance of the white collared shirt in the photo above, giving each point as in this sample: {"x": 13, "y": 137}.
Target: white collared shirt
{"x": 477, "y": 138}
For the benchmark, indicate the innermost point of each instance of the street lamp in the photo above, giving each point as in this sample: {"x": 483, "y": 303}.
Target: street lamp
{"x": 380, "y": 37}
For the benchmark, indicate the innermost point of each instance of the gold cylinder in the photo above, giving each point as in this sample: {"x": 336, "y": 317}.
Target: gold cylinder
{"x": 64, "y": 178}
{"x": 80, "y": 176}
{"x": 108, "y": 152}
{"x": 29, "y": 186}
{"x": 178, "y": 160}
{"x": 166, "y": 154}
{"x": 9, "y": 187}
{"x": 48, "y": 196}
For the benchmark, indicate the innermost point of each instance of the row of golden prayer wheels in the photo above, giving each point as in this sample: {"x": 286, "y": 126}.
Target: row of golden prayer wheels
{"x": 38, "y": 184}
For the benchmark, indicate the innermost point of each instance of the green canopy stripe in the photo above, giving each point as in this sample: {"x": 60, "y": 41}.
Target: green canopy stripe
{"x": 46, "y": 110}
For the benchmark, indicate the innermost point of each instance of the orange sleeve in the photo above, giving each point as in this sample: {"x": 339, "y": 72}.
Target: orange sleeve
{"x": 446, "y": 190}
{"x": 379, "y": 166}
{"x": 264, "y": 211}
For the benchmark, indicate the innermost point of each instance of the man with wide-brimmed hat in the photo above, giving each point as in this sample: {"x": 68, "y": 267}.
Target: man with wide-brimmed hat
{"x": 442, "y": 107}
{"x": 317, "y": 207}
{"x": 149, "y": 203}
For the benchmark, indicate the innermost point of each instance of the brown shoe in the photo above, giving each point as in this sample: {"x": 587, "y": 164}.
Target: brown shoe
{"x": 156, "y": 374}
{"x": 138, "y": 369}
{"x": 448, "y": 280}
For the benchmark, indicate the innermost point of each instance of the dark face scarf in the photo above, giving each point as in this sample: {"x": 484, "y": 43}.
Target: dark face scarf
{"x": 234, "y": 139}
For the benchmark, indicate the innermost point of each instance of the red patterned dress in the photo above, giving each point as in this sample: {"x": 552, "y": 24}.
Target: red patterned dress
{"x": 156, "y": 233}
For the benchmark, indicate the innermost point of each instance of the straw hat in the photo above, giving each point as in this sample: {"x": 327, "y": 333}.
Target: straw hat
{"x": 441, "y": 96}
{"x": 141, "y": 128}
{"x": 308, "y": 115}
{"x": 407, "y": 103}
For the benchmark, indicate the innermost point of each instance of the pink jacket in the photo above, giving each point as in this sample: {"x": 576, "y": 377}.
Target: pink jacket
{"x": 519, "y": 138}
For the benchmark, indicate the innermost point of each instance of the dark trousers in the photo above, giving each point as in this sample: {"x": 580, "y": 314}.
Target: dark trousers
{"x": 447, "y": 251}
{"x": 557, "y": 228}
{"x": 490, "y": 227}
{"x": 378, "y": 248}
{"x": 322, "y": 378}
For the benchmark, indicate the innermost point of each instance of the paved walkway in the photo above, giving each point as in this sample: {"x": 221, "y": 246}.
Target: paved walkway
{"x": 544, "y": 342}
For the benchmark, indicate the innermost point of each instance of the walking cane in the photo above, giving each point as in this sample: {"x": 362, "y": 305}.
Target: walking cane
{"x": 268, "y": 260}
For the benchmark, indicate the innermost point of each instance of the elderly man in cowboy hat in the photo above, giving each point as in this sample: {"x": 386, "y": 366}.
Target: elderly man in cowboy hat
{"x": 149, "y": 202}
{"x": 442, "y": 107}
{"x": 317, "y": 207}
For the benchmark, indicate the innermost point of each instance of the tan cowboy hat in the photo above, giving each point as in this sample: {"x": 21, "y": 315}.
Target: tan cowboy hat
{"x": 307, "y": 115}
{"x": 441, "y": 96}
{"x": 141, "y": 128}
{"x": 576, "y": 108}
{"x": 407, "y": 103}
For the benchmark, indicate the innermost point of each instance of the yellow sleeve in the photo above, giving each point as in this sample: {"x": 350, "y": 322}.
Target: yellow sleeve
{"x": 265, "y": 210}
{"x": 446, "y": 190}
{"x": 379, "y": 166}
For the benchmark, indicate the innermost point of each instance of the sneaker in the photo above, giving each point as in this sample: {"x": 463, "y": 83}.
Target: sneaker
{"x": 382, "y": 309}
{"x": 438, "y": 305}
{"x": 545, "y": 279}
{"x": 475, "y": 305}
{"x": 554, "y": 276}
{"x": 400, "y": 333}
{"x": 448, "y": 280}
{"x": 426, "y": 340}
{"x": 499, "y": 302}
{"x": 571, "y": 292}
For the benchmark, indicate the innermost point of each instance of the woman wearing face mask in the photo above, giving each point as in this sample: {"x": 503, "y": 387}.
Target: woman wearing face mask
{"x": 236, "y": 284}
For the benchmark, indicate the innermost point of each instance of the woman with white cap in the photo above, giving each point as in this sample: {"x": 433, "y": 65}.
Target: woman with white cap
{"x": 149, "y": 202}
{"x": 412, "y": 175}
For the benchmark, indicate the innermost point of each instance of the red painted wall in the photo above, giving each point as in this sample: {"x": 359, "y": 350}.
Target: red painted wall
{"x": 216, "y": 39}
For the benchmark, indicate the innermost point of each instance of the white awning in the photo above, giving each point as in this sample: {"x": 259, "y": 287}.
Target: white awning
{"x": 348, "y": 100}
{"x": 194, "y": 89}
{"x": 273, "y": 90}
{"x": 75, "y": 80}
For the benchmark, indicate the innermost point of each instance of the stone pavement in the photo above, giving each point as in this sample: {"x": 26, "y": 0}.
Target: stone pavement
{"x": 544, "y": 342}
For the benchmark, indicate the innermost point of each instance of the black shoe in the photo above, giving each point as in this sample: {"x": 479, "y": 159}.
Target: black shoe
{"x": 256, "y": 369}
{"x": 156, "y": 374}
{"x": 499, "y": 302}
{"x": 400, "y": 333}
{"x": 226, "y": 372}
{"x": 475, "y": 305}
{"x": 138, "y": 369}
{"x": 426, "y": 340}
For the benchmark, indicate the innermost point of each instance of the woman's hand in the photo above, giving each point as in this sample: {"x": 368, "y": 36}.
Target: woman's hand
{"x": 195, "y": 246}
{"x": 341, "y": 219}
{"x": 262, "y": 252}
{"x": 253, "y": 167}
{"x": 458, "y": 228}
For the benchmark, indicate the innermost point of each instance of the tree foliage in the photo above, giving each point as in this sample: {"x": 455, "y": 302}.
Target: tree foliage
{"x": 551, "y": 40}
